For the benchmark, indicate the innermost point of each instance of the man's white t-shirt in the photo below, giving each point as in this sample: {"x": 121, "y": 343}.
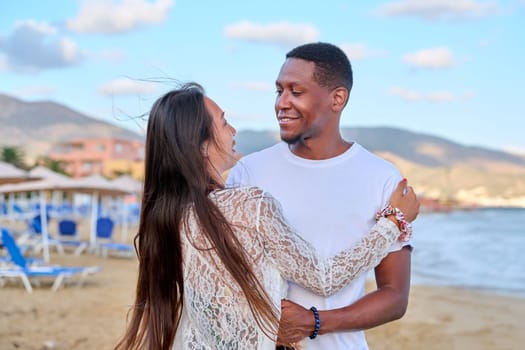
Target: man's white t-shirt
{"x": 332, "y": 203}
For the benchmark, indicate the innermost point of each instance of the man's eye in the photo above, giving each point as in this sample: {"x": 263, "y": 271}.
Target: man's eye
{"x": 296, "y": 93}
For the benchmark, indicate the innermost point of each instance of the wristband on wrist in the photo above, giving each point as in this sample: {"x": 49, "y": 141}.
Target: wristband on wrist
{"x": 404, "y": 226}
{"x": 315, "y": 333}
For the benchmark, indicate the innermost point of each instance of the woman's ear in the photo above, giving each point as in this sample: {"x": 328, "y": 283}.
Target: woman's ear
{"x": 340, "y": 97}
{"x": 204, "y": 149}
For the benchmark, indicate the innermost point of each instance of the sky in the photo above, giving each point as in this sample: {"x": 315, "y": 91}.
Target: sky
{"x": 449, "y": 68}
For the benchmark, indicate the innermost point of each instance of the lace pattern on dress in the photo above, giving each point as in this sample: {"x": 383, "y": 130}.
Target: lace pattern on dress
{"x": 216, "y": 314}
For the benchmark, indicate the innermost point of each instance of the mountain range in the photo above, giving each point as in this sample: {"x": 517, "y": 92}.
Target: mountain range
{"x": 36, "y": 126}
{"x": 435, "y": 166}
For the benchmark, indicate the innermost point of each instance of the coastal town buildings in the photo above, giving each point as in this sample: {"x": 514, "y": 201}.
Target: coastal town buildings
{"x": 109, "y": 157}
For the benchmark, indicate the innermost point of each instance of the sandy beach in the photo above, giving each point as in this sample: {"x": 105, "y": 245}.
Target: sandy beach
{"x": 93, "y": 316}
{"x": 454, "y": 318}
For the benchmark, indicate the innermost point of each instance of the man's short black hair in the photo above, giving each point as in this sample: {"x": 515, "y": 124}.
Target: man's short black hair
{"x": 332, "y": 66}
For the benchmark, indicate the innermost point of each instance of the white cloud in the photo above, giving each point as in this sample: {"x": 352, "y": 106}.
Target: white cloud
{"x": 359, "y": 51}
{"x": 439, "y": 57}
{"x": 69, "y": 49}
{"x": 280, "y": 33}
{"x": 405, "y": 94}
{"x": 255, "y": 86}
{"x": 103, "y": 16}
{"x": 439, "y": 9}
{"x": 41, "y": 27}
{"x": 35, "y": 90}
{"x": 34, "y": 46}
{"x": 434, "y": 96}
{"x": 126, "y": 86}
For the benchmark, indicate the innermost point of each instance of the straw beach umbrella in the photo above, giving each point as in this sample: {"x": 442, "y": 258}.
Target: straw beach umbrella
{"x": 46, "y": 173}
{"x": 97, "y": 186}
{"x": 41, "y": 186}
{"x": 130, "y": 184}
{"x": 11, "y": 174}
{"x": 136, "y": 188}
{"x": 93, "y": 185}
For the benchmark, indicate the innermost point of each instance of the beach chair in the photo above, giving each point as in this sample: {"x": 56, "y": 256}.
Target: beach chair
{"x": 26, "y": 272}
{"x": 35, "y": 227}
{"x": 68, "y": 236}
{"x": 105, "y": 243}
{"x": 6, "y": 261}
{"x": 7, "y": 273}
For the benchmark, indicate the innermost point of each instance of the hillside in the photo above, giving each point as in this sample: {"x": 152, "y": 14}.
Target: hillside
{"x": 35, "y": 126}
{"x": 435, "y": 166}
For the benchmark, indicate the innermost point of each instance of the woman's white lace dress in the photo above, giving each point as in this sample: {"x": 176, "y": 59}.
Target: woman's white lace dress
{"x": 216, "y": 314}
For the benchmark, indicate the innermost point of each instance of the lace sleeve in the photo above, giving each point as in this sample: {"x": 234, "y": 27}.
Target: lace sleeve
{"x": 298, "y": 260}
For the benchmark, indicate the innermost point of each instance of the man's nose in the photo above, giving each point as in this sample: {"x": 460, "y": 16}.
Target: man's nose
{"x": 282, "y": 101}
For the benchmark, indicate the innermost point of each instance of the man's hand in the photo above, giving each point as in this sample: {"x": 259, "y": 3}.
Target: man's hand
{"x": 296, "y": 324}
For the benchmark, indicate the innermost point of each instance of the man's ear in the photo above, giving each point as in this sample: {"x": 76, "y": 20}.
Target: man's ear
{"x": 339, "y": 98}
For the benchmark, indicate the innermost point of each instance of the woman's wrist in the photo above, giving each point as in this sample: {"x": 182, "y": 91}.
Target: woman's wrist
{"x": 397, "y": 216}
{"x": 392, "y": 218}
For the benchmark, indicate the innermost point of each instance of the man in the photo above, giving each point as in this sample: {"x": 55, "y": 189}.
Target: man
{"x": 330, "y": 190}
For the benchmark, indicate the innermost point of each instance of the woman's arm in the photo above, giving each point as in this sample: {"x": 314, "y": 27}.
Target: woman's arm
{"x": 298, "y": 260}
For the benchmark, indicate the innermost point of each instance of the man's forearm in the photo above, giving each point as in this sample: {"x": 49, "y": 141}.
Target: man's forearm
{"x": 374, "y": 309}
{"x": 389, "y": 302}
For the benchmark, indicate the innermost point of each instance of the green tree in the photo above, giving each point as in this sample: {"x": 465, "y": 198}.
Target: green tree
{"x": 55, "y": 165}
{"x": 13, "y": 155}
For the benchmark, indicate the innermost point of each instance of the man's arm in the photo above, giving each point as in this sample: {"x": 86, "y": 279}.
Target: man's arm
{"x": 387, "y": 303}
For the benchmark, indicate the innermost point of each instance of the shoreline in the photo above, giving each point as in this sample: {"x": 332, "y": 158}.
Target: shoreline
{"x": 475, "y": 290}
{"x": 471, "y": 207}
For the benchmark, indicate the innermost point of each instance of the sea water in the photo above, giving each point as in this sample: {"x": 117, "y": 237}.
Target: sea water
{"x": 482, "y": 249}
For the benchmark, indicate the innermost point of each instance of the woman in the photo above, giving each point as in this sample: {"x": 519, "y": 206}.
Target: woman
{"x": 213, "y": 260}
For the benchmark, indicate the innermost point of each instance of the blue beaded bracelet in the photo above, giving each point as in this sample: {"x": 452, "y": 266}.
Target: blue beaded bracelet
{"x": 315, "y": 333}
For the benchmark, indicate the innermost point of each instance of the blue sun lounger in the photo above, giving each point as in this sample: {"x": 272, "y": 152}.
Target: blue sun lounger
{"x": 27, "y": 272}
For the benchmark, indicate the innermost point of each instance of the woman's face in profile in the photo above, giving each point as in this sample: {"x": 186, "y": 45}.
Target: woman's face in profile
{"x": 221, "y": 154}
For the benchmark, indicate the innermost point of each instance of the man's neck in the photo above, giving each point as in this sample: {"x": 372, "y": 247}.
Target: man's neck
{"x": 317, "y": 149}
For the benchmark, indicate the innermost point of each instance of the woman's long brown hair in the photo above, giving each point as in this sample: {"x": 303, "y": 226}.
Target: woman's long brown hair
{"x": 176, "y": 178}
